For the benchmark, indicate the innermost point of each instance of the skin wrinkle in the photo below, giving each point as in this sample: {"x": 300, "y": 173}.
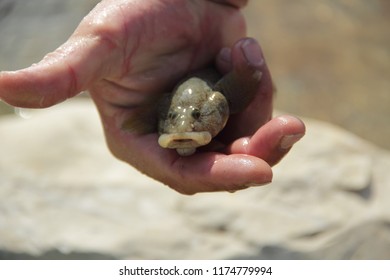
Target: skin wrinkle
{"x": 185, "y": 40}
{"x": 204, "y": 26}
{"x": 73, "y": 84}
{"x": 117, "y": 94}
{"x": 127, "y": 58}
{"x": 137, "y": 24}
{"x": 157, "y": 28}
{"x": 109, "y": 37}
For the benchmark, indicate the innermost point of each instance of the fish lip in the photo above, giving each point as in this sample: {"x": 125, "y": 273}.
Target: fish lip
{"x": 184, "y": 139}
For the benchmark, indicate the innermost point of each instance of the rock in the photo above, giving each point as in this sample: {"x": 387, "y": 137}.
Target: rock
{"x": 63, "y": 195}
{"x": 30, "y": 29}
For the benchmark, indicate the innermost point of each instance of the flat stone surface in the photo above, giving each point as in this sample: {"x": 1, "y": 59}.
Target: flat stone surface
{"x": 62, "y": 195}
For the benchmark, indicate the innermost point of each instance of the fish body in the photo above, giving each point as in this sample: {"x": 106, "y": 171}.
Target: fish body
{"x": 192, "y": 115}
{"x": 199, "y": 107}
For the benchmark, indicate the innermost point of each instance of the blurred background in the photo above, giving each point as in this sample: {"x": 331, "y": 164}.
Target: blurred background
{"x": 330, "y": 59}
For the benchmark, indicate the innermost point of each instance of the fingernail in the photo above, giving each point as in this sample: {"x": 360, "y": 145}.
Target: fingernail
{"x": 225, "y": 55}
{"x": 252, "y": 52}
{"x": 289, "y": 140}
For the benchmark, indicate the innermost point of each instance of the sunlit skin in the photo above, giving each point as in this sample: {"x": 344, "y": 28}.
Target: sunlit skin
{"x": 127, "y": 52}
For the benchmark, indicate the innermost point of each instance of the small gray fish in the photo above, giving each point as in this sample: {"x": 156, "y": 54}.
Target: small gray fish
{"x": 199, "y": 107}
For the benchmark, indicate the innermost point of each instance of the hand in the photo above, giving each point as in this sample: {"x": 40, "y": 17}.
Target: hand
{"x": 127, "y": 53}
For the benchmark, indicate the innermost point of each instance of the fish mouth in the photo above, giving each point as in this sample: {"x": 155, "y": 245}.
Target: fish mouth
{"x": 186, "y": 140}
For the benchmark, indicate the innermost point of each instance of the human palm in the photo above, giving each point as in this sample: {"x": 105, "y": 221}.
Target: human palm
{"x": 127, "y": 53}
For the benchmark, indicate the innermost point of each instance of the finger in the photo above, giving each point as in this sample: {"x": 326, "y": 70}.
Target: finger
{"x": 247, "y": 54}
{"x": 272, "y": 141}
{"x": 224, "y": 60}
{"x": 58, "y": 76}
{"x": 202, "y": 172}
{"x": 211, "y": 172}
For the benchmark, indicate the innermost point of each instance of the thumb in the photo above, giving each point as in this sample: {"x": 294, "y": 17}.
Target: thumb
{"x": 60, "y": 75}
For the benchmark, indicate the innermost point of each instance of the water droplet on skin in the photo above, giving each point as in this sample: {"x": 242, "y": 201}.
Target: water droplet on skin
{"x": 23, "y": 113}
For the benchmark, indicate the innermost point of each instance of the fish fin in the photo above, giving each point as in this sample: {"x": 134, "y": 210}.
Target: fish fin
{"x": 143, "y": 120}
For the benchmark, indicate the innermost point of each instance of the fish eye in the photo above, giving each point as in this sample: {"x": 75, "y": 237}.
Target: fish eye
{"x": 172, "y": 115}
{"x": 195, "y": 114}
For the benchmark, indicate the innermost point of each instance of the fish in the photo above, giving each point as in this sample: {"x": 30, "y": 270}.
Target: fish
{"x": 199, "y": 106}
